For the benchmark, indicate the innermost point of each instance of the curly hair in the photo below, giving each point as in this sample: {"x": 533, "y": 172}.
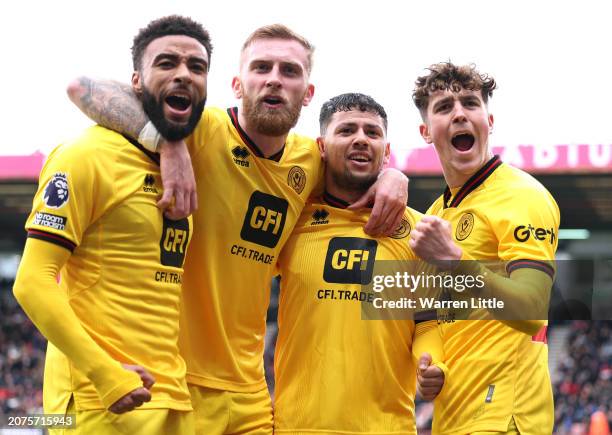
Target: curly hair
{"x": 165, "y": 26}
{"x": 448, "y": 76}
{"x": 347, "y": 102}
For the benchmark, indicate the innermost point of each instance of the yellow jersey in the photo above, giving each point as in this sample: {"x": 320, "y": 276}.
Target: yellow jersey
{"x": 97, "y": 197}
{"x": 496, "y": 372}
{"x": 334, "y": 372}
{"x": 248, "y": 206}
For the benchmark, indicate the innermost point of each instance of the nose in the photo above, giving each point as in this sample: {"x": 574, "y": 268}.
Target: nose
{"x": 361, "y": 139}
{"x": 182, "y": 73}
{"x": 459, "y": 115}
{"x": 273, "y": 78}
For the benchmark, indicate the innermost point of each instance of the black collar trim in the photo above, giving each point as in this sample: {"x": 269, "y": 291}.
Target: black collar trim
{"x": 233, "y": 114}
{"x": 472, "y": 183}
{"x": 152, "y": 156}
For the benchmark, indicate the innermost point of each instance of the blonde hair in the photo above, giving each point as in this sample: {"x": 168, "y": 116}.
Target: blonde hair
{"x": 280, "y": 31}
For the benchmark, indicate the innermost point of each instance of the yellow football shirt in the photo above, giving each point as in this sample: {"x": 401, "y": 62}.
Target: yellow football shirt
{"x": 248, "y": 206}
{"x": 496, "y": 372}
{"x": 334, "y": 372}
{"x": 97, "y": 197}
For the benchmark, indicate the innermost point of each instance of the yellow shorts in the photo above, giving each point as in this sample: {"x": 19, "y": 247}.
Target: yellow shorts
{"x": 138, "y": 421}
{"x": 219, "y": 412}
{"x": 512, "y": 430}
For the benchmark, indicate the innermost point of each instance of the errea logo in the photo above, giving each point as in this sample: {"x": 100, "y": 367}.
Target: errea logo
{"x": 319, "y": 217}
{"x": 241, "y": 154}
{"x": 149, "y": 184}
{"x": 523, "y": 233}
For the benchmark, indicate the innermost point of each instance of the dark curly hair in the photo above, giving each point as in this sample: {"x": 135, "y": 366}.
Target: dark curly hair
{"x": 170, "y": 25}
{"x": 448, "y": 76}
{"x": 347, "y": 102}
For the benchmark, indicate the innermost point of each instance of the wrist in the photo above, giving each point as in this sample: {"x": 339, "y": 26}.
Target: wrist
{"x": 150, "y": 138}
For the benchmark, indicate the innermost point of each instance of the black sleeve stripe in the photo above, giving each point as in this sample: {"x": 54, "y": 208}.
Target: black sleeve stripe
{"x": 425, "y": 316}
{"x": 532, "y": 264}
{"x": 52, "y": 238}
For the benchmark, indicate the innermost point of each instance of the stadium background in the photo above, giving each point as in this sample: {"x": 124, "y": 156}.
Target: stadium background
{"x": 580, "y": 350}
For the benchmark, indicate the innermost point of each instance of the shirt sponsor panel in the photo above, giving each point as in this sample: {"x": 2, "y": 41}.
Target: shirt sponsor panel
{"x": 350, "y": 260}
{"x": 265, "y": 219}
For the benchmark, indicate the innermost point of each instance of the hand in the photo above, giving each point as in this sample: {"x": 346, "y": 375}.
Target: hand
{"x": 178, "y": 180}
{"x": 136, "y": 397}
{"x": 390, "y": 196}
{"x": 430, "y": 379}
{"x": 431, "y": 239}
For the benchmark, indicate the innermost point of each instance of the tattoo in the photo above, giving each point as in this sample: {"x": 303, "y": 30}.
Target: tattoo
{"x": 111, "y": 104}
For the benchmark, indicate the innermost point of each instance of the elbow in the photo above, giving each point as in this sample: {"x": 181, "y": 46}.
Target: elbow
{"x": 21, "y": 291}
{"x": 76, "y": 88}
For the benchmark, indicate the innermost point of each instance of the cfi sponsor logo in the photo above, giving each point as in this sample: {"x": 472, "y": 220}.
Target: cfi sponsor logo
{"x": 56, "y": 191}
{"x": 523, "y": 233}
{"x": 149, "y": 184}
{"x": 265, "y": 219}
{"x": 319, "y": 217}
{"x": 241, "y": 154}
{"x": 403, "y": 230}
{"x": 297, "y": 179}
{"x": 350, "y": 260}
{"x": 464, "y": 226}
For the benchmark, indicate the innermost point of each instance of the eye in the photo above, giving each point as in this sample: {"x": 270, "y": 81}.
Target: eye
{"x": 166, "y": 64}
{"x": 444, "y": 107}
{"x": 261, "y": 67}
{"x": 373, "y": 133}
{"x": 291, "y": 70}
{"x": 198, "y": 68}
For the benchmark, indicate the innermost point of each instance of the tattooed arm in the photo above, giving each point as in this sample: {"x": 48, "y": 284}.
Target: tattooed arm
{"x": 109, "y": 103}
{"x": 114, "y": 105}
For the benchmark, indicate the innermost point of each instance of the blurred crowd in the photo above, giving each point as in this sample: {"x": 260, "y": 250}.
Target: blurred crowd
{"x": 584, "y": 391}
{"x": 22, "y": 357}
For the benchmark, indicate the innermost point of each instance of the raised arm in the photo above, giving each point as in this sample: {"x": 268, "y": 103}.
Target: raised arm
{"x": 114, "y": 105}
{"x": 109, "y": 103}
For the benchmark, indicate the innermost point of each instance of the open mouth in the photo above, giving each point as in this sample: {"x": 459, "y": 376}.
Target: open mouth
{"x": 463, "y": 142}
{"x": 179, "y": 103}
{"x": 273, "y": 100}
{"x": 359, "y": 158}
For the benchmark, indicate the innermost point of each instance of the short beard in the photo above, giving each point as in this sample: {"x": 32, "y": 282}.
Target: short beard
{"x": 270, "y": 123}
{"x": 349, "y": 182}
{"x": 168, "y": 129}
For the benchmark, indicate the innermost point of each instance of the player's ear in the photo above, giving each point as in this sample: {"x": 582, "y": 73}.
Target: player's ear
{"x": 387, "y": 154}
{"x": 237, "y": 87}
{"x": 308, "y": 95}
{"x": 321, "y": 143}
{"x": 490, "y": 122}
{"x": 137, "y": 82}
{"x": 425, "y": 133}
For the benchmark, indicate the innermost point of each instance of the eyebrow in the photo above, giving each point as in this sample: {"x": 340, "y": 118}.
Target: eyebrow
{"x": 354, "y": 125}
{"x": 442, "y": 101}
{"x": 282, "y": 62}
{"x": 176, "y": 57}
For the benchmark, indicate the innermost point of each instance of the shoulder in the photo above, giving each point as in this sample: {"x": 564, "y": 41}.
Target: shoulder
{"x": 516, "y": 185}
{"x": 92, "y": 147}
{"x": 436, "y": 207}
